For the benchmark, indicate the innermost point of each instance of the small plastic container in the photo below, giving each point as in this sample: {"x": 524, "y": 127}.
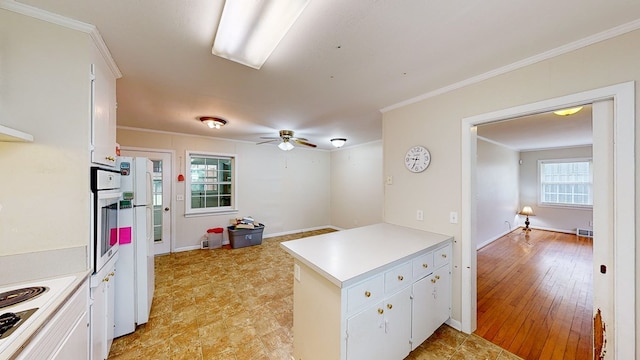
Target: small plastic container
{"x": 214, "y": 238}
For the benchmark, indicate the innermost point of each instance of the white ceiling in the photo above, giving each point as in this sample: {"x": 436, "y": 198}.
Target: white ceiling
{"x": 340, "y": 63}
{"x": 541, "y": 131}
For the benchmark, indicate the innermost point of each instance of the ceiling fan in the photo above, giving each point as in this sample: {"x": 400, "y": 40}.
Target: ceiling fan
{"x": 286, "y": 139}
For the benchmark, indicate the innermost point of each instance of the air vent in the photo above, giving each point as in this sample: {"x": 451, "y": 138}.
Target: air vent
{"x": 584, "y": 232}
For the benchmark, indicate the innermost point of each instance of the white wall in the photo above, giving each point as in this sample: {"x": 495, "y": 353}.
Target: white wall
{"x": 356, "y": 185}
{"x": 497, "y": 190}
{"x": 287, "y": 191}
{"x": 552, "y": 218}
{"x": 436, "y": 123}
{"x": 44, "y": 91}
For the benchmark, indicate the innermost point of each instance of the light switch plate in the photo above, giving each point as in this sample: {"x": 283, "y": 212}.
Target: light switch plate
{"x": 453, "y": 217}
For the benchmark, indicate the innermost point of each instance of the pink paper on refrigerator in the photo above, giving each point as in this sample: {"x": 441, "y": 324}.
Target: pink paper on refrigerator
{"x": 125, "y": 235}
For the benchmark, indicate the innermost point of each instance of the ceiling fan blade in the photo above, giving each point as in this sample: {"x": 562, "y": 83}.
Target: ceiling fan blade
{"x": 270, "y": 137}
{"x": 298, "y": 141}
{"x": 268, "y": 141}
{"x": 299, "y": 138}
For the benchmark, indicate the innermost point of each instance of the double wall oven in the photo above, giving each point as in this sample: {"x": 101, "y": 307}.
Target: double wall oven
{"x": 105, "y": 186}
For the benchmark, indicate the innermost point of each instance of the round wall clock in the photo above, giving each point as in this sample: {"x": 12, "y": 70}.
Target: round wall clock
{"x": 417, "y": 159}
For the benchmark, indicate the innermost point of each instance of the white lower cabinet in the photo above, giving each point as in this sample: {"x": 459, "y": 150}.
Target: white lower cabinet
{"x": 381, "y": 331}
{"x": 102, "y": 311}
{"x": 431, "y": 304}
{"x": 66, "y": 335}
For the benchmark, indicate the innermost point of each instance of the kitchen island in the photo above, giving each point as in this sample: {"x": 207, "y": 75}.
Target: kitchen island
{"x": 374, "y": 292}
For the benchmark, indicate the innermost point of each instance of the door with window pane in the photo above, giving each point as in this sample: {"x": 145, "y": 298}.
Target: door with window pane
{"x": 161, "y": 197}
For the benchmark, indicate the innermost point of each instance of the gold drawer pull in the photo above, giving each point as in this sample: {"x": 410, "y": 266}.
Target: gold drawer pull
{"x": 444, "y": 256}
{"x": 389, "y": 306}
{"x": 367, "y": 294}
{"x": 437, "y": 277}
{"x": 400, "y": 277}
{"x": 380, "y": 311}
{"x": 425, "y": 265}
{"x": 433, "y": 280}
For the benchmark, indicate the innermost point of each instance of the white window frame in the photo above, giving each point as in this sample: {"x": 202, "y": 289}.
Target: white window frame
{"x": 189, "y": 211}
{"x": 562, "y": 205}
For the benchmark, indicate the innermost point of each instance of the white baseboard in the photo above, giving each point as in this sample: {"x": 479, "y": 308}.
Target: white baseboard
{"x": 454, "y": 324}
{"x": 487, "y": 242}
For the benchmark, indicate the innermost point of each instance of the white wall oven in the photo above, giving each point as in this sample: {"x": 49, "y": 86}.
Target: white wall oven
{"x": 105, "y": 186}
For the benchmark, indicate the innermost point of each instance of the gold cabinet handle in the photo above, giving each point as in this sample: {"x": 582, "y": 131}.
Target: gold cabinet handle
{"x": 400, "y": 277}
{"x": 106, "y": 279}
{"x": 433, "y": 280}
{"x": 437, "y": 277}
{"x": 110, "y": 158}
{"x": 112, "y": 273}
{"x": 380, "y": 311}
{"x": 367, "y": 294}
{"x": 389, "y": 306}
{"x": 444, "y": 256}
{"x": 425, "y": 265}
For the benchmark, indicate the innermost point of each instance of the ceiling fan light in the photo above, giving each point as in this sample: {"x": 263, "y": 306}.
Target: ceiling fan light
{"x": 567, "y": 112}
{"x": 213, "y": 122}
{"x": 249, "y": 31}
{"x": 285, "y": 146}
{"x": 338, "y": 142}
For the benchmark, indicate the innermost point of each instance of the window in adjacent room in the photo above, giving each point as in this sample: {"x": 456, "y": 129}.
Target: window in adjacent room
{"x": 566, "y": 182}
{"x": 210, "y": 182}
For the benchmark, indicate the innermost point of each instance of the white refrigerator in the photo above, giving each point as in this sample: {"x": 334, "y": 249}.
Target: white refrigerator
{"x": 135, "y": 283}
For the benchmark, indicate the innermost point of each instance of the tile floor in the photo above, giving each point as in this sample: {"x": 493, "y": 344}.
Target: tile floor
{"x": 236, "y": 304}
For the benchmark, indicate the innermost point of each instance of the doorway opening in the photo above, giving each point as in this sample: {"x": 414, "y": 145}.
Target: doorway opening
{"x": 618, "y": 142}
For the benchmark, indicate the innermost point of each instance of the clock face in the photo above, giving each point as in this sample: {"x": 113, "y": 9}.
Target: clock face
{"x": 417, "y": 159}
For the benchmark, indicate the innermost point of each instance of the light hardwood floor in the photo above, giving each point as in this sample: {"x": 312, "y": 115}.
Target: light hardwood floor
{"x": 535, "y": 294}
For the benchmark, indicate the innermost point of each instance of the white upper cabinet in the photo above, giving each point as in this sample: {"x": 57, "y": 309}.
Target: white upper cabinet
{"x": 103, "y": 113}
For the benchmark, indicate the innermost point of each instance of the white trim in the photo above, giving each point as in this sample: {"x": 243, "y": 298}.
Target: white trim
{"x": 69, "y": 23}
{"x": 624, "y": 331}
{"x": 590, "y": 40}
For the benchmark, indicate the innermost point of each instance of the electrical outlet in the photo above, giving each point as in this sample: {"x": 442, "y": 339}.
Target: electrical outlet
{"x": 389, "y": 180}
{"x": 453, "y": 217}
{"x": 180, "y": 197}
{"x": 296, "y": 271}
{"x": 419, "y": 215}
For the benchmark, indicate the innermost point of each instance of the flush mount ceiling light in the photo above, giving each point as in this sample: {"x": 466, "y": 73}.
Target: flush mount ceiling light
{"x": 338, "y": 142}
{"x": 249, "y": 31}
{"x": 567, "y": 112}
{"x": 213, "y": 122}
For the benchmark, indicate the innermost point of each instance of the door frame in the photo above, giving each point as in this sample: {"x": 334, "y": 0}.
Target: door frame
{"x": 172, "y": 155}
{"x": 624, "y": 296}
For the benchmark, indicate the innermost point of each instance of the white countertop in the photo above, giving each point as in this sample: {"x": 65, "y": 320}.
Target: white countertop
{"x": 348, "y": 256}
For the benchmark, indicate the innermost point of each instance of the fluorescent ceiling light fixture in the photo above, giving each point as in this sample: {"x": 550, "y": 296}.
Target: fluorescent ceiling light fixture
{"x": 338, "y": 142}
{"x": 285, "y": 145}
{"x": 249, "y": 31}
{"x": 566, "y": 112}
{"x": 213, "y": 122}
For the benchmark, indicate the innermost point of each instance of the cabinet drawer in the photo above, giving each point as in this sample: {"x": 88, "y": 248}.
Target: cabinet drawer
{"x": 442, "y": 256}
{"x": 423, "y": 265}
{"x": 397, "y": 278}
{"x": 365, "y": 293}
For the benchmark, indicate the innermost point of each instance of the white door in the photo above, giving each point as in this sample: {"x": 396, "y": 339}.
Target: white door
{"x": 162, "y": 175}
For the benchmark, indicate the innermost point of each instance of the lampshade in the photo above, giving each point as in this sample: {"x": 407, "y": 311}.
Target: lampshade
{"x": 338, "y": 142}
{"x": 213, "y": 122}
{"x": 249, "y": 31}
{"x": 285, "y": 146}
{"x": 566, "y": 112}
{"x": 527, "y": 210}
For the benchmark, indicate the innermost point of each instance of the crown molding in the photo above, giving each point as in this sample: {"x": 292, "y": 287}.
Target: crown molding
{"x": 590, "y": 40}
{"x": 36, "y": 13}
